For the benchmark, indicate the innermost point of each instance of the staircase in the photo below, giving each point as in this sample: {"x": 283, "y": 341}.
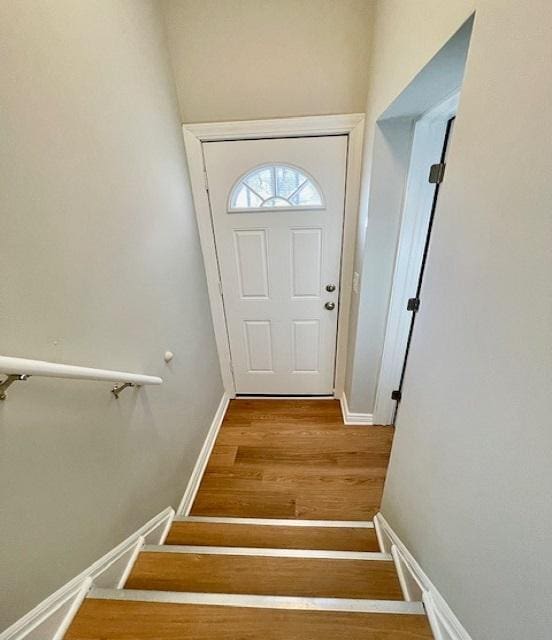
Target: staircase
{"x": 230, "y": 578}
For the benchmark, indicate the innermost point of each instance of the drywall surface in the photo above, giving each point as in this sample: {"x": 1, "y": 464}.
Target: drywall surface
{"x": 100, "y": 267}
{"x": 468, "y": 488}
{"x": 392, "y": 145}
{"x": 381, "y": 208}
{"x": 255, "y": 59}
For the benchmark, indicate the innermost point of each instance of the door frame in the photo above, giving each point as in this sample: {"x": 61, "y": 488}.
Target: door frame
{"x": 195, "y": 135}
{"x": 427, "y": 144}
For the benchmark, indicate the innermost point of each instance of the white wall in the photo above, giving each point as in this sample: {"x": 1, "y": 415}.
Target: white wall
{"x": 100, "y": 266}
{"x": 468, "y": 488}
{"x": 248, "y": 59}
{"x": 386, "y": 162}
{"x": 392, "y": 142}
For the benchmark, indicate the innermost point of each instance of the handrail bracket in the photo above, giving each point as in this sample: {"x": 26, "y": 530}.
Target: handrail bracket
{"x": 8, "y": 381}
{"x": 121, "y": 387}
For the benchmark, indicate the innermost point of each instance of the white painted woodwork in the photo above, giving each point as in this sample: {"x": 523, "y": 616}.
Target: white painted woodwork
{"x": 195, "y": 135}
{"x": 429, "y": 134}
{"x": 203, "y": 458}
{"x": 280, "y": 522}
{"x": 417, "y": 585}
{"x": 275, "y": 265}
{"x": 270, "y": 553}
{"x": 23, "y": 366}
{"x": 359, "y": 605}
{"x": 50, "y": 618}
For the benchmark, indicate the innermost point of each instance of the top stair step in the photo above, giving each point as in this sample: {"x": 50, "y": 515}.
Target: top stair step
{"x": 273, "y": 534}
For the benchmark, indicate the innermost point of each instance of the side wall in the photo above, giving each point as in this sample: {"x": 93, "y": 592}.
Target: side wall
{"x": 469, "y": 483}
{"x": 392, "y": 143}
{"x": 395, "y": 107}
{"x": 262, "y": 59}
{"x": 101, "y": 266}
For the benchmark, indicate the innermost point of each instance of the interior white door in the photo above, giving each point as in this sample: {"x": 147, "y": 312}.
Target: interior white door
{"x": 277, "y": 208}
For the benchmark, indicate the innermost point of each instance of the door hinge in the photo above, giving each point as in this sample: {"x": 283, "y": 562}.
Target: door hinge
{"x": 437, "y": 173}
{"x": 205, "y": 180}
{"x": 396, "y": 395}
{"x": 413, "y": 304}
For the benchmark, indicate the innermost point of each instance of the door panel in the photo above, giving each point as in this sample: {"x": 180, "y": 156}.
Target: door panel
{"x": 258, "y": 340}
{"x": 306, "y": 260}
{"x": 306, "y": 346}
{"x": 277, "y": 252}
{"x": 251, "y": 263}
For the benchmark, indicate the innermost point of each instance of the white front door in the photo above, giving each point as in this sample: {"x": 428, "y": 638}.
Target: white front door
{"x": 277, "y": 208}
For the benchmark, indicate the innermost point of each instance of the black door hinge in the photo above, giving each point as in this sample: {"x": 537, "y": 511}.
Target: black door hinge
{"x": 437, "y": 173}
{"x": 396, "y": 395}
{"x": 413, "y": 304}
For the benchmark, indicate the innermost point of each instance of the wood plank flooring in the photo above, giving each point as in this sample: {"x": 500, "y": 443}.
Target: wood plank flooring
{"x": 290, "y": 459}
{"x": 294, "y": 459}
{"x": 272, "y": 537}
{"x": 119, "y": 620}
{"x": 265, "y": 575}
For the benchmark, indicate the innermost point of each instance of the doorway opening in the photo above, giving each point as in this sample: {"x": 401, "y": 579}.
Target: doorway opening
{"x": 431, "y": 140}
{"x": 408, "y": 140}
{"x": 435, "y": 178}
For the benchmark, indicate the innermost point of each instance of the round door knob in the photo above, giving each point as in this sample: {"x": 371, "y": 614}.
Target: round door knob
{"x": 330, "y": 287}
{"x": 330, "y": 306}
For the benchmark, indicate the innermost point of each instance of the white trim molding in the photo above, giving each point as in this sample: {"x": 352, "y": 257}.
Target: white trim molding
{"x": 280, "y": 522}
{"x": 203, "y": 458}
{"x": 427, "y": 144}
{"x": 195, "y": 135}
{"x": 349, "y": 605}
{"x": 50, "y": 619}
{"x": 416, "y": 585}
{"x": 197, "y": 550}
{"x": 354, "y": 419}
{"x": 276, "y": 127}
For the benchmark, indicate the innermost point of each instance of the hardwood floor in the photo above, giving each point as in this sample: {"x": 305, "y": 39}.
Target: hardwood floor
{"x": 272, "y": 537}
{"x": 119, "y": 620}
{"x": 294, "y": 459}
{"x": 272, "y": 459}
{"x": 265, "y": 575}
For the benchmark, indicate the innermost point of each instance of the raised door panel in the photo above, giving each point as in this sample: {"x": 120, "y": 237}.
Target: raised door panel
{"x": 306, "y": 262}
{"x": 250, "y": 246}
{"x": 306, "y": 346}
{"x": 258, "y": 346}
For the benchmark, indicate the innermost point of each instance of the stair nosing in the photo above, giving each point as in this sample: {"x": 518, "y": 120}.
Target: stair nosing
{"x": 351, "y": 605}
{"x": 269, "y": 552}
{"x": 279, "y": 522}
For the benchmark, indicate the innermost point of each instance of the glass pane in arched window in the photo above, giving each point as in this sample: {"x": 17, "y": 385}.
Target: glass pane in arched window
{"x": 276, "y": 186}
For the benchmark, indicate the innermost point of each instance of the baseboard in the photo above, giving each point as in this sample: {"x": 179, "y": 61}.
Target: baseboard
{"x": 50, "y": 619}
{"x": 416, "y": 584}
{"x": 201, "y": 463}
{"x": 350, "y": 418}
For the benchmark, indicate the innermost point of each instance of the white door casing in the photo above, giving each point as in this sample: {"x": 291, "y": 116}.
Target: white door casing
{"x": 429, "y": 133}
{"x": 275, "y": 265}
{"x": 195, "y": 135}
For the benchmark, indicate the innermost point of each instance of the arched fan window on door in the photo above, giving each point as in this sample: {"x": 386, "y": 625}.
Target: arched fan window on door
{"x": 275, "y": 186}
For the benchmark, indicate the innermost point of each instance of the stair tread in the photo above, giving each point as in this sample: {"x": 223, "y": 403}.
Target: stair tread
{"x": 136, "y": 620}
{"x": 272, "y": 536}
{"x": 265, "y": 575}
